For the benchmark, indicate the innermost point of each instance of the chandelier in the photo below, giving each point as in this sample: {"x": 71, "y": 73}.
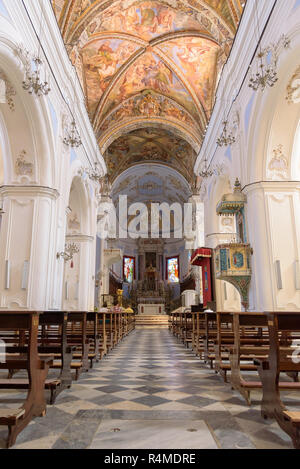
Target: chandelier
{"x": 32, "y": 81}
{"x": 206, "y": 172}
{"x": 226, "y": 138}
{"x": 96, "y": 175}
{"x": 68, "y": 253}
{"x": 209, "y": 171}
{"x": 266, "y": 74}
{"x": 73, "y": 139}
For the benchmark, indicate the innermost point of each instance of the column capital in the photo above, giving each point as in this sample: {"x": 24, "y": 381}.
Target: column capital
{"x": 80, "y": 238}
{"x": 31, "y": 191}
{"x": 272, "y": 186}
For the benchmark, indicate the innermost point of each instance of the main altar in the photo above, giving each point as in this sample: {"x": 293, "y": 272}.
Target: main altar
{"x": 150, "y": 287}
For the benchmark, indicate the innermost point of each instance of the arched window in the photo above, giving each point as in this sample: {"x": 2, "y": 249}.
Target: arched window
{"x": 173, "y": 269}
{"x": 129, "y": 269}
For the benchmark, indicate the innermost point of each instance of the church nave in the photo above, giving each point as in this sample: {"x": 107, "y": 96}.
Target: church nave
{"x": 149, "y": 224}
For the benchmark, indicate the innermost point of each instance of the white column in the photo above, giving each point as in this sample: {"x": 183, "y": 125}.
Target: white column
{"x": 27, "y": 247}
{"x": 273, "y": 220}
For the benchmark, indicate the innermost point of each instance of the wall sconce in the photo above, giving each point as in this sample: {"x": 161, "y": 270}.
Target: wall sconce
{"x": 68, "y": 253}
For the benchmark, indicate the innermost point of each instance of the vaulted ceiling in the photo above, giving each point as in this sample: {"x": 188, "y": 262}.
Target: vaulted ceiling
{"x": 149, "y": 71}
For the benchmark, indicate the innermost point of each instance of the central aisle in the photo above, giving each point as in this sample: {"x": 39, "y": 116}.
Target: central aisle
{"x": 151, "y": 392}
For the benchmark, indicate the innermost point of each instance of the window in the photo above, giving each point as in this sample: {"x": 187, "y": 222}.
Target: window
{"x": 129, "y": 269}
{"x": 173, "y": 269}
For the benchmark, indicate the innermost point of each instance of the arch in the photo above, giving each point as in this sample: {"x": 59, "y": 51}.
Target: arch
{"x": 31, "y": 117}
{"x": 177, "y": 128}
{"x": 274, "y": 122}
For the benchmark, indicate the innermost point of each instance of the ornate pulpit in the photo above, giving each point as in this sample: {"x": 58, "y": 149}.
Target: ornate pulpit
{"x": 233, "y": 265}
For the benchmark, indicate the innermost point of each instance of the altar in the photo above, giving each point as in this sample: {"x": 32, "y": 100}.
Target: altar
{"x": 151, "y": 309}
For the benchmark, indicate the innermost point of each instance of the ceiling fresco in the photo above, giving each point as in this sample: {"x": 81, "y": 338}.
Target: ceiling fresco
{"x": 149, "y": 145}
{"x": 149, "y": 72}
{"x": 149, "y": 105}
{"x": 151, "y": 183}
{"x": 155, "y": 62}
{"x": 197, "y": 60}
{"x": 101, "y": 59}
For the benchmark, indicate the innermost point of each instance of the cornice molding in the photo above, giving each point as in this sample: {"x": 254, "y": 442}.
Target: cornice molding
{"x": 272, "y": 186}
{"x": 31, "y": 191}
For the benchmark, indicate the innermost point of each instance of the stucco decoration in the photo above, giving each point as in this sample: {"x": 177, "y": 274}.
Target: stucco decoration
{"x": 293, "y": 88}
{"x": 23, "y": 167}
{"x": 278, "y": 166}
{"x": 7, "y": 91}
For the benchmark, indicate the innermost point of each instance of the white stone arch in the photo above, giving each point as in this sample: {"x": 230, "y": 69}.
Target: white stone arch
{"x": 272, "y": 190}
{"x": 273, "y": 120}
{"x": 26, "y": 190}
{"x": 78, "y": 292}
{"x": 30, "y": 120}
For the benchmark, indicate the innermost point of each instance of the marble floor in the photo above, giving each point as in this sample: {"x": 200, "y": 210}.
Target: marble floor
{"x": 151, "y": 393}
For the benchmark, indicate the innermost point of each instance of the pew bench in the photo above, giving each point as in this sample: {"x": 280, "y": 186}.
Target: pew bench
{"x": 23, "y": 358}
{"x": 284, "y": 329}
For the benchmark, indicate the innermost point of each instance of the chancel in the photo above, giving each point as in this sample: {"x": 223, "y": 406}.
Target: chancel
{"x": 149, "y": 226}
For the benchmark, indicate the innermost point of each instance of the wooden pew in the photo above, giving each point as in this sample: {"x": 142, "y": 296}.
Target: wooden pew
{"x": 131, "y": 322}
{"x": 102, "y": 330}
{"x": 77, "y": 337}
{"x": 247, "y": 326}
{"x": 23, "y": 357}
{"x": 284, "y": 329}
{"x": 93, "y": 336}
{"x": 53, "y": 341}
{"x": 198, "y": 330}
{"x": 252, "y": 347}
{"x": 187, "y": 328}
{"x": 248, "y": 336}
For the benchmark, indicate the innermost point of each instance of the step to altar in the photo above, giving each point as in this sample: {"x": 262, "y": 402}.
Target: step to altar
{"x": 161, "y": 320}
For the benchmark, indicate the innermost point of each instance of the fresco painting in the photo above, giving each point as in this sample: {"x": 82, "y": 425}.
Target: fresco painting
{"x": 101, "y": 60}
{"x": 148, "y": 104}
{"x": 149, "y": 59}
{"x": 149, "y": 145}
{"x": 149, "y": 20}
{"x": 197, "y": 59}
{"x": 149, "y": 72}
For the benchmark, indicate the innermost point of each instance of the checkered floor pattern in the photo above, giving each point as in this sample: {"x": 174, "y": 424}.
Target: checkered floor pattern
{"x": 150, "y": 392}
